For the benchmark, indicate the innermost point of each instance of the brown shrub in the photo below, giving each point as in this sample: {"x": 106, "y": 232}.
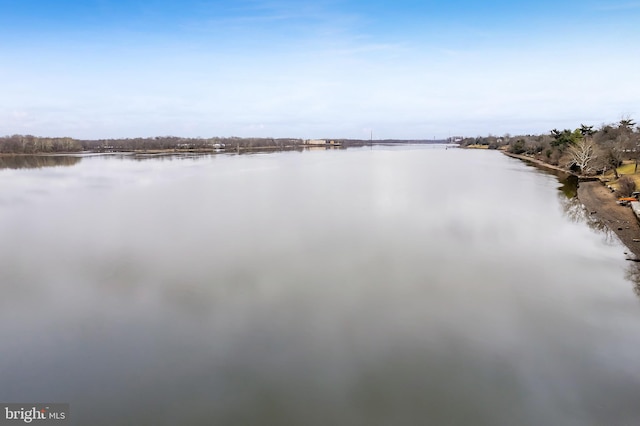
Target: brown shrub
{"x": 626, "y": 186}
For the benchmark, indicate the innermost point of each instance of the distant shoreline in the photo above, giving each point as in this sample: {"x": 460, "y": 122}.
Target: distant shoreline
{"x": 229, "y": 148}
{"x": 32, "y": 145}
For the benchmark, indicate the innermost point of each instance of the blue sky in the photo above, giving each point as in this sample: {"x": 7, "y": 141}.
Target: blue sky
{"x": 327, "y": 68}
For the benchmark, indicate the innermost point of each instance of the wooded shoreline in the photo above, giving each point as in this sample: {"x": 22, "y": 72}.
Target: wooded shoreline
{"x": 28, "y": 144}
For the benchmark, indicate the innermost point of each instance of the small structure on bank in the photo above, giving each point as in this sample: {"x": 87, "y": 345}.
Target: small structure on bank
{"x": 321, "y": 142}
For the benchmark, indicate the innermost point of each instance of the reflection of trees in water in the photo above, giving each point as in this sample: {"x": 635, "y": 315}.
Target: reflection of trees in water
{"x": 165, "y": 156}
{"x": 576, "y": 212}
{"x": 633, "y": 275}
{"x": 569, "y": 185}
{"x": 573, "y": 208}
{"x": 36, "y": 161}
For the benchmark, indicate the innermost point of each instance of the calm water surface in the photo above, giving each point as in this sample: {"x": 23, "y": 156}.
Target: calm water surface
{"x": 393, "y": 286}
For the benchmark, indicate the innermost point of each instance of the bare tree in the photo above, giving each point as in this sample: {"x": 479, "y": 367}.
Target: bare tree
{"x": 582, "y": 153}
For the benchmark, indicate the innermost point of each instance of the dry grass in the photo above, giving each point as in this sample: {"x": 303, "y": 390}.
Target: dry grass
{"x": 626, "y": 169}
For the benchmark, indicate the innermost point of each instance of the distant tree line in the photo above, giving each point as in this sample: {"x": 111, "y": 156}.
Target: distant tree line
{"x": 28, "y": 144}
{"x": 584, "y": 149}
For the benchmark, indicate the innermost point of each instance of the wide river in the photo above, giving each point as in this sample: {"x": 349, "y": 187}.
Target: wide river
{"x": 407, "y": 285}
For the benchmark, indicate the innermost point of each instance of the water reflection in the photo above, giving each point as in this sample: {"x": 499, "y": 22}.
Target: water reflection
{"x": 337, "y": 287}
{"x": 633, "y": 275}
{"x": 569, "y": 184}
{"x": 576, "y": 212}
{"x": 163, "y": 156}
{"x": 37, "y": 161}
